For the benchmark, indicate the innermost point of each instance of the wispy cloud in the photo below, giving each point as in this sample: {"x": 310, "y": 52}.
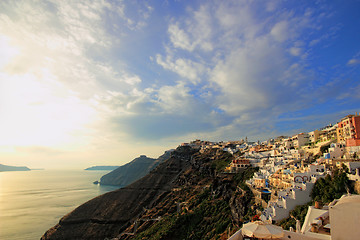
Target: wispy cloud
{"x": 186, "y": 68}
{"x": 194, "y": 34}
{"x": 353, "y": 61}
{"x": 251, "y": 70}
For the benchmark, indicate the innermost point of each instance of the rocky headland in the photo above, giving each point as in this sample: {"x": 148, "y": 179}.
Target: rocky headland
{"x": 6, "y": 168}
{"x": 101, "y": 168}
{"x": 132, "y": 171}
{"x": 185, "y": 197}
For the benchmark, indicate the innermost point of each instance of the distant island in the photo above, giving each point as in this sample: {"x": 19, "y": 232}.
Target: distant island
{"x": 102, "y": 168}
{"x": 6, "y": 168}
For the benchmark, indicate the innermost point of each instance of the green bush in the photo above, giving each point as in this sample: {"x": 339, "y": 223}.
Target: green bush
{"x": 222, "y": 162}
{"x": 325, "y": 190}
{"x": 245, "y": 174}
{"x": 208, "y": 217}
{"x": 331, "y": 187}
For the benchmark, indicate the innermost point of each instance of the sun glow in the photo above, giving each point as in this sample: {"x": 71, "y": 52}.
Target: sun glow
{"x": 38, "y": 113}
{"x": 36, "y": 109}
{"x": 7, "y": 51}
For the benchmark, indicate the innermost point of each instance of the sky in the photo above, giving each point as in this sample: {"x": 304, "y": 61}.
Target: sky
{"x": 87, "y": 83}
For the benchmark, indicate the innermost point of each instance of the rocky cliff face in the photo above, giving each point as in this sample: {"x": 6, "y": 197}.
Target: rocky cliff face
{"x": 132, "y": 171}
{"x": 185, "y": 197}
{"x": 205, "y": 204}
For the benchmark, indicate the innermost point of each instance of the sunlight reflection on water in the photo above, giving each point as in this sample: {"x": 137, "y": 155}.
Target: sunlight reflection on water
{"x": 32, "y": 202}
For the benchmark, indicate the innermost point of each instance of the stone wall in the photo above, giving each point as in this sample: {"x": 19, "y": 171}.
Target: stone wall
{"x": 356, "y": 185}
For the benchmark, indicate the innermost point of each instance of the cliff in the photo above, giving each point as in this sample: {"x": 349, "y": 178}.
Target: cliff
{"x": 185, "y": 197}
{"x": 4, "y": 168}
{"x": 109, "y": 214}
{"x": 132, "y": 171}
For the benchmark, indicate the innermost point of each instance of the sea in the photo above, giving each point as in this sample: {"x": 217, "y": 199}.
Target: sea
{"x": 31, "y": 202}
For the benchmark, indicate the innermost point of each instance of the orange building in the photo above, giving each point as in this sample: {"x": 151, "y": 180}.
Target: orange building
{"x": 239, "y": 163}
{"x": 348, "y": 130}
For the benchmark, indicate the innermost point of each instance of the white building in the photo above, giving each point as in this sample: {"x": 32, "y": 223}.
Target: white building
{"x": 336, "y": 150}
{"x": 342, "y": 217}
{"x": 300, "y": 140}
{"x": 337, "y": 221}
{"x": 287, "y": 201}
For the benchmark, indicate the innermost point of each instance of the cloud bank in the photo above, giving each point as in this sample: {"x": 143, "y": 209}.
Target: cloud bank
{"x": 78, "y": 75}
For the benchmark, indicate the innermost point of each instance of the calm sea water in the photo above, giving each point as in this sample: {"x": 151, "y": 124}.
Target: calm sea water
{"x": 32, "y": 202}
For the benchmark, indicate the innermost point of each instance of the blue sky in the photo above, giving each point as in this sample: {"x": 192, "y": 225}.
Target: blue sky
{"x": 101, "y": 82}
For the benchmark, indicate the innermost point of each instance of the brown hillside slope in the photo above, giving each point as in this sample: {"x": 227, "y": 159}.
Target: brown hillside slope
{"x": 109, "y": 214}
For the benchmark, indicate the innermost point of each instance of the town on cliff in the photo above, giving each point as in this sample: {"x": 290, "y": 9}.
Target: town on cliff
{"x": 289, "y": 167}
{"x": 301, "y": 187}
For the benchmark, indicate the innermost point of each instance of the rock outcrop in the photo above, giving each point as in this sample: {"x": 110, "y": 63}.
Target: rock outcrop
{"x": 132, "y": 171}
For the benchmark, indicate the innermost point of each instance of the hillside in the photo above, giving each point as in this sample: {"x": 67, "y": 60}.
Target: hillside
{"x": 5, "y": 168}
{"x": 132, "y": 171}
{"x": 185, "y": 197}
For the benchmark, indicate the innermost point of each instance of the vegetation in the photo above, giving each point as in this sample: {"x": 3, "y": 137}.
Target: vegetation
{"x": 325, "y": 190}
{"x": 209, "y": 215}
{"x": 244, "y": 175}
{"x": 298, "y": 213}
{"x": 324, "y": 149}
{"x": 222, "y": 162}
{"x": 331, "y": 187}
{"x": 208, "y": 220}
{"x": 247, "y": 199}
